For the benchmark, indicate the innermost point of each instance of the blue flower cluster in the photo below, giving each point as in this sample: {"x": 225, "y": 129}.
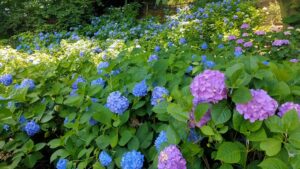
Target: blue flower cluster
{"x": 117, "y": 103}
{"x": 6, "y": 127}
{"x": 182, "y": 41}
{"x": 158, "y": 95}
{"x": 204, "y": 46}
{"x": 99, "y": 82}
{"x": 194, "y": 136}
{"x": 140, "y": 89}
{"x": 78, "y": 80}
{"x": 132, "y": 160}
{"x": 101, "y": 66}
{"x": 156, "y": 49}
{"x": 62, "y": 164}
{"x": 162, "y": 138}
{"x": 105, "y": 159}
{"x": 92, "y": 121}
{"x": 6, "y": 79}
{"x": 208, "y": 64}
{"x": 26, "y": 83}
{"x": 152, "y": 58}
{"x": 32, "y": 128}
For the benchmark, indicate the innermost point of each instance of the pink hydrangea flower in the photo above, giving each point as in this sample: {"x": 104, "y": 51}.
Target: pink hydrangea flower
{"x": 287, "y": 107}
{"x": 240, "y": 41}
{"x": 248, "y": 44}
{"x": 260, "y": 107}
{"x": 209, "y": 86}
{"x": 260, "y": 33}
{"x": 171, "y": 158}
{"x": 245, "y": 26}
{"x": 294, "y": 60}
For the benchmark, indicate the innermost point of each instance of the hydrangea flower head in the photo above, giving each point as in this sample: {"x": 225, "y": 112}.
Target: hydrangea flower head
{"x": 140, "y": 89}
{"x": 162, "y": 138}
{"x": 209, "y": 86}
{"x": 248, "y": 44}
{"x": 245, "y": 34}
{"x": 117, "y": 103}
{"x": 189, "y": 69}
{"x": 62, "y": 164}
{"x": 158, "y": 95}
{"x": 152, "y": 58}
{"x": 78, "y": 80}
{"x": 240, "y": 41}
{"x": 279, "y": 43}
{"x": 92, "y": 121}
{"x": 287, "y": 107}
{"x": 171, "y": 158}
{"x": 260, "y": 33}
{"x": 294, "y": 60}
{"x": 27, "y": 83}
{"x": 231, "y": 37}
{"x": 6, "y": 79}
{"x": 6, "y": 127}
{"x": 102, "y": 65}
{"x": 182, "y": 41}
{"x": 132, "y": 160}
{"x": 99, "y": 82}
{"x": 105, "y": 159}
{"x": 260, "y": 107}
{"x": 220, "y": 46}
{"x": 204, "y": 46}
{"x": 245, "y": 26}
{"x": 209, "y": 64}
{"x": 156, "y": 49}
{"x": 32, "y": 128}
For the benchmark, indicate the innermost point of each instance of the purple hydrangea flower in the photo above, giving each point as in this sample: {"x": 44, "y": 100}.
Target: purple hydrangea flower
{"x": 209, "y": 86}
{"x": 97, "y": 50}
{"x": 158, "y": 95}
{"x": 245, "y": 34}
{"x": 287, "y": 33}
{"x": 235, "y": 17}
{"x": 105, "y": 159}
{"x": 117, "y": 103}
{"x": 171, "y": 158}
{"x": 140, "y": 89}
{"x": 132, "y": 160}
{"x": 294, "y": 60}
{"x": 287, "y": 107}
{"x": 260, "y": 33}
{"x": 260, "y": 107}
{"x": 152, "y": 58}
{"x": 245, "y": 26}
{"x": 32, "y": 128}
{"x": 279, "y": 43}
{"x": 6, "y": 79}
{"x": 162, "y": 138}
{"x": 240, "y": 41}
{"x": 231, "y": 37}
{"x": 248, "y": 44}
{"x": 238, "y": 51}
{"x": 62, "y": 164}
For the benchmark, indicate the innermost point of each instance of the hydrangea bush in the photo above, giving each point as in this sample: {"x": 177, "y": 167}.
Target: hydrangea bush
{"x": 208, "y": 88}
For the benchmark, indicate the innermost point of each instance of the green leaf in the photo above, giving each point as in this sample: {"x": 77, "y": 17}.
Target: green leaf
{"x": 31, "y": 159}
{"x": 220, "y": 113}
{"x": 125, "y": 137}
{"x": 19, "y": 94}
{"x": 280, "y": 89}
{"x": 290, "y": 120}
{"x": 173, "y": 137}
{"x": 39, "y": 146}
{"x": 237, "y": 120}
{"x": 294, "y": 138}
{"x": 101, "y": 114}
{"x": 259, "y": 135}
{"x": 176, "y": 111}
{"x": 59, "y": 153}
{"x": 226, "y": 166}
{"x": 207, "y": 130}
{"x": 134, "y": 143}
{"x": 229, "y": 152}
{"x": 146, "y": 142}
{"x": 113, "y": 135}
{"x": 241, "y": 95}
{"x": 274, "y": 124}
{"x": 273, "y": 163}
{"x": 200, "y": 110}
{"x": 160, "y": 107}
{"x": 55, "y": 143}
{"x": 74, "y": 101}
{"x": 271, "y": 146}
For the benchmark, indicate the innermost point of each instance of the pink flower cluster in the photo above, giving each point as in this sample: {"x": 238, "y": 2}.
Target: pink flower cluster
{"x": 280, "y": 42}
{"x": 287, "y": 107}
{"x": 260, "y": 107}
{"x": 209, "y": 86}
{"x": 171, "y": 158}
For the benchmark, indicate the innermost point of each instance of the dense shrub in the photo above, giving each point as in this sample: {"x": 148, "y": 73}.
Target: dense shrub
{"x": 206, "y": 89}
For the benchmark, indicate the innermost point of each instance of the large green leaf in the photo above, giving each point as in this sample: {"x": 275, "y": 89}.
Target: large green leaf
{"x": 241, "y": 95}
{"x": 273, "y": 163}
{"x": 229, "y": 152}
{"x": 271, "y": 146}
{"x": 220, "y": 113}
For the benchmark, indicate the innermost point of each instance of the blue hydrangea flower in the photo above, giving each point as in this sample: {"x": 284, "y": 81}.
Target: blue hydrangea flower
{"x": 140, "y": 89}
{"x": 105, "y": 159}
{"x": 92, "y": 121}
{"x": 81, "y": 53}
{"x": 73, "y": 92}
{"x": 27, "y": 83}
{"x": 115, "y": 72}
{"x": 99, "y": 82}
{"x": 97, "y": 50}
{"x": 32, "y": 128}
{"x": 189, "y": 69}
{"x": 237, "y": 53}
{"x": 209, "y": 64}
{"x": 194, "y": 136}
{"x": 101, "y": 66}
{"x": 6, "y": 79}
{"x": 158, "y": 95}
{"x": 78, "y": 80}
{"x": 203, "y": 58}
{"x": 152, "y": 58}
{"x": 220, "y": 46}
{"x": 117, "y": 103}
{"x": 266, "y": 62}
{"x": 132, "y": 160}
{"x": 204, "y": 46}
{"x": 156, "y": 49}
{"x": 182, "y": 41}
{"x": 62, "y": 164}
{"x": 170, "y": 44}
{"x": 162, "y": 138}
{"x": 22, "y": 120}
{"x": 6, "y": 127}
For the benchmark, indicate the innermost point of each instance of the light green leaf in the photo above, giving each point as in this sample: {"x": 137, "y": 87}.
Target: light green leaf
{"x": 229, "y": 152}
{"x": 271, "y": 146}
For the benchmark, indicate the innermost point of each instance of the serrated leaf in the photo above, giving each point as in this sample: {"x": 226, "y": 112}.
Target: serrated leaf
{"x": 273, "y": 163}
{"x": 229, "y": 152}
{"x": 271, "y": 146}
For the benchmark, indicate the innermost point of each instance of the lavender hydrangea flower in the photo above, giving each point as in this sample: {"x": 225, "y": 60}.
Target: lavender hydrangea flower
{"x": 209, "y": 86}
{"x": 260, "y": 33}
{"x": 205, "y": 118}
{"x": 158, "y": 95}
{"x": 162, "y": 138}
{"x": 279, "y": 43}
{"x": 248, "y": 44}
{"x": 27, "y": 83}
{"x": 6, "y": 79}
{"x": 294, "y": 60}
{"x": 260, "y": 107}
{"x": 240, "y": 41}
{"x": 140, "y": 89}
{"x": 245, "y": 34}
{"x": 117, "y": 103}
{"x": 105, "y": 159}
{"x": 132, "y": 160}
{"x": 245, "y": 26}
{"x": 287, "y": 107}
{"x": 152, "y": 58}
{"x": 238, "y": 51}
{"x": 231, "y": 37}
{"x": 171, "y": 158}
{"x": 99, "y": 82}
{"x": 78, "y": 80}
{"x": 32, "y": 128}
{"x": 62, "y": 164}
